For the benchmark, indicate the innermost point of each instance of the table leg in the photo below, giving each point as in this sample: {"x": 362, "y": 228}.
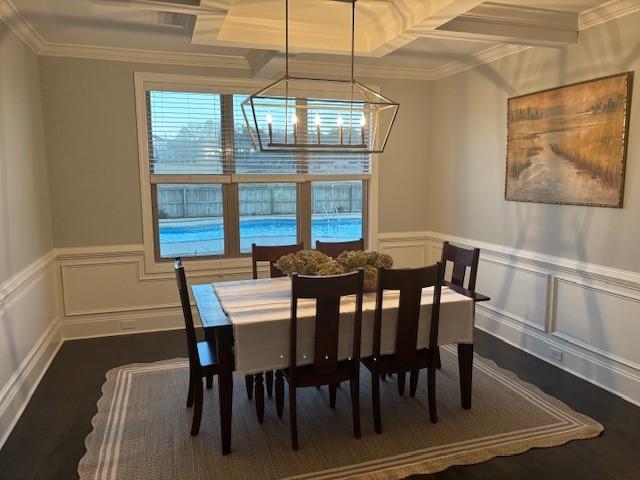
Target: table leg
{"x": 259, "y": 395}
{"x": 224, "y": 343}
{"x": 465, "y": 366}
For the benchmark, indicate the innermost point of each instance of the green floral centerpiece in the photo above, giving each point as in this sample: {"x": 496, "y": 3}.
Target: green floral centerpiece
{"x": 370, "y": 261}
{"x": 313, "y": 262}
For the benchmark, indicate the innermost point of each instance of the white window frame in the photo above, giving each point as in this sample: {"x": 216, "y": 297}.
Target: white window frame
{"x": 145, "y": 81}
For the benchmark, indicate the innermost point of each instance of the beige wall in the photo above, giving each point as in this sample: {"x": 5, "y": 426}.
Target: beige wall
{"x": 468, "y": 142}
{"x": 25, "y": 223}
{"x": 93, "y": 156}
{"x": 404, "y": 164}
{"x": 28, "y": 287}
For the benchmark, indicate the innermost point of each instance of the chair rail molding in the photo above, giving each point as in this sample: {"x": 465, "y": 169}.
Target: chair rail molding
{"x": 551, "y": 307}
{"x": 29, "y": 337}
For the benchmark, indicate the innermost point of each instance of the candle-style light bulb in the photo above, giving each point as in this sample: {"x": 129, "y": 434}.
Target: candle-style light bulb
{"x": 363, "y": 124}
{"x": 270, "y": 126}
{"x": 339, "y": 122}
{"x": 317, "y": 121}
{"x": 294, "y": 122}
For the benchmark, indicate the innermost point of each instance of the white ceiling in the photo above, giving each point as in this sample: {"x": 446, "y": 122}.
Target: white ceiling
{"x": 414, "y": 37}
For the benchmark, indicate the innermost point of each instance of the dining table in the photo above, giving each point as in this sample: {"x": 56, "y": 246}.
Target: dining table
{"x": 248, "y": 322}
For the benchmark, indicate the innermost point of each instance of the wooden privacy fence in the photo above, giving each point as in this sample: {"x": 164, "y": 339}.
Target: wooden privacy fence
{"x": 193, "y": 201}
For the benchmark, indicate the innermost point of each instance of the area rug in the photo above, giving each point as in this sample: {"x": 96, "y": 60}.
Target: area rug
{"x": 141, "y": 430}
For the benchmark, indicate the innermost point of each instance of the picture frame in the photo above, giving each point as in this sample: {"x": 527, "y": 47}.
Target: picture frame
{"x": 568, "y": 145}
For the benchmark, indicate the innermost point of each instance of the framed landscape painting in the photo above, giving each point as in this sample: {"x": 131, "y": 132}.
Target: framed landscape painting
{"x": 568, "y": 145}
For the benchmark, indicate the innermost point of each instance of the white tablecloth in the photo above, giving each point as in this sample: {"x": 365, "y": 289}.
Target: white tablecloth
{"x": 260, "y": 313}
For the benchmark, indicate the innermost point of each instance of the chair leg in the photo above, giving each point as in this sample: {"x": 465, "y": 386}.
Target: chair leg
{"x": 248, "y": 380}
{"x": 209, "y": 382}
{"x": 268, "y": 379}
{"x": 190, "y": 393}
{"x": 401, "y": 380}
{"x": 413, "y": 382}
{"x": 431, "y": 381}
{"x": 436, "y": 358}
{"x": 375, "y": 398}
{"x": 197, "y": 410}
{"x": 332, "y": 395}
{"x": 259, "y": 393}
{"x": 354, "y": 383}
{"x": 293, "y": 417}
{"x": 279, "y": 393}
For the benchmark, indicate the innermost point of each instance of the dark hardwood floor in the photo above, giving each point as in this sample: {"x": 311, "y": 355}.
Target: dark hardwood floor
{"x": 48, "y": 441}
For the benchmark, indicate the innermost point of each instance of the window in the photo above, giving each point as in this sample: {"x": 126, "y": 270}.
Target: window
{"x": 190, "y": 220}
{"x": 336, "y": 214}
{"x": 210, "y": 194}
{"x": 268, "y": 214}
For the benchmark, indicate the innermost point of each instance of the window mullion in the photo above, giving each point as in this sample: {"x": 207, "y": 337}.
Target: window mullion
{"x": 231, "y": 208}
{"x": 304, "y": 213}
{"x": 231, "y": 220}
{"x": 365, "y": 212}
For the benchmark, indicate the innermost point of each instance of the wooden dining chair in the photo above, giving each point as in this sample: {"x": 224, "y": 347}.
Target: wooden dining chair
{"x": 327, "y": 368}
{"x": 333, "y": 249}
{"x": 203, "y": 361}
{"x": 407, "y": 356}
{"x": 463, "y": 260}
{"x": 270, "y": 254}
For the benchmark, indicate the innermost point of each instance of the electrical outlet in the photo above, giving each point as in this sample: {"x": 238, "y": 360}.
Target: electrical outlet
{"x": 556, "y": 354}
{"x": 128, "y": 324}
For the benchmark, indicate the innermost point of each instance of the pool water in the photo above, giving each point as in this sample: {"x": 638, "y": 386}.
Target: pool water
{"x": 207, "y": 236}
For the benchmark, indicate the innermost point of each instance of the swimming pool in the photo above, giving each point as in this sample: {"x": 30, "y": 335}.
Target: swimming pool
{"x": 206, "y": 236}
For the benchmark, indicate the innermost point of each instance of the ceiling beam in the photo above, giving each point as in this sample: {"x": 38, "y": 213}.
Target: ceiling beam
{"x": 265, "y": 63}
{"x": 512, "y": 24}
{"x": 433, "y": 14}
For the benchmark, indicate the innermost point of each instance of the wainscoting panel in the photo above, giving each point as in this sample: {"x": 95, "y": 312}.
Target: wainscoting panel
{"x": 580, "y": 317}
{"x": 408, "y": 250}
{"x": 106, "y": 291}
{"x": 598, "y": 317}
{"x": 29, "y": 336}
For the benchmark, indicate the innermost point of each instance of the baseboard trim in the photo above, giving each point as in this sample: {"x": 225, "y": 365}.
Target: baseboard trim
{"x": 93, "y": 326}
{"x": 537, "y": 344}
{"x": 26, "y": 379}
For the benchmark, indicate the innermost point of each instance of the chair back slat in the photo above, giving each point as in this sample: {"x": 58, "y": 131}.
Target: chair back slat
{"x": 192, "y": 341}
{"x": 462, "y": 258}
{"x": 327, "y": 291}
{"x": 410, "y": 283}
{"x": 333, "y": 249}
{"x": 271, "y": 254}
{"x": 325, "y": 357}
{"x": 407, "y": 327}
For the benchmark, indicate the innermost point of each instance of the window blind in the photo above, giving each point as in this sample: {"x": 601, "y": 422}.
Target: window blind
{"x": 205, "y": 133}
{"x": 184, "y": 133}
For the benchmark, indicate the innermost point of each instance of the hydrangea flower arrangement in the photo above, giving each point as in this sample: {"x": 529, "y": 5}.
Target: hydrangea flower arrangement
{"x": 312, "y": 262}
{"x": 370, "y": 261}
{"x": 308, "y": 262}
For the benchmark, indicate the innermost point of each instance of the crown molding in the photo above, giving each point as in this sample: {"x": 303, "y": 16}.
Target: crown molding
{"x": 606, "y": 12}
{"x": 136, "y": 55}
{"x": 483, "y": 57}
{"x": 9, "y": 14}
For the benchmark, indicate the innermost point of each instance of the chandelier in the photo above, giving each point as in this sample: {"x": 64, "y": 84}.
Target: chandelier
{"x": 300, "y": 114}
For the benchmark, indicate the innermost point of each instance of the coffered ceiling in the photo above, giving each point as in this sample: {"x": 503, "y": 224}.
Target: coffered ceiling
{"x": 403, "y": 38}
